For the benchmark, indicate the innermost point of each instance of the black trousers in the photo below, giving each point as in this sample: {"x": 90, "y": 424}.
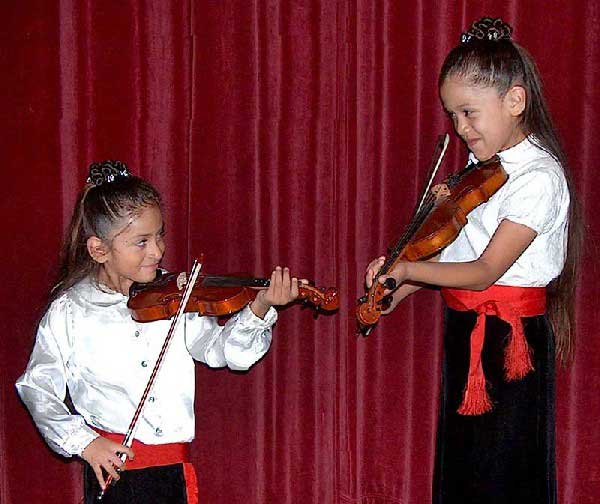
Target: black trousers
{"x": 152, "y": 485}
{"x": 506, "y": 455}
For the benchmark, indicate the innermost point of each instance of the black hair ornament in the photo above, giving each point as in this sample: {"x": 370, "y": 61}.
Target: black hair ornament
{"x": 106, "y": 172}
{"x": 487, "y": 28}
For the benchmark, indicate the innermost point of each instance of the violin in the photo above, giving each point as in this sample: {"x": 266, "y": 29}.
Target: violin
{"x": 169, "y": 296}
{"x": 213, "y": 295}
{"x": 435, "y": 224}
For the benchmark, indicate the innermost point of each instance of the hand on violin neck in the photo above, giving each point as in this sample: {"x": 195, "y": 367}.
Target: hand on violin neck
{"x": 372, "y": 270}
{"x": 391, "y": 281}
{"x": 394, "y": 278}
{"x": 283, "y": 289}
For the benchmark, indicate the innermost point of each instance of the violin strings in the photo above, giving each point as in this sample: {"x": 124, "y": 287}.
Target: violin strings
{"x": 410, "y": 230}
{"x": 419, "y": 218}
{"x": 423, "y": 207}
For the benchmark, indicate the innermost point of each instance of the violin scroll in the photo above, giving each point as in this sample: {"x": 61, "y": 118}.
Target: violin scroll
{"x": 320, "y": 297}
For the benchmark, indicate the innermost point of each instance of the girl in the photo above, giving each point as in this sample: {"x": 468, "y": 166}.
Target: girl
{"x": 507, "y": 280}
{"x": 90, "y": 351}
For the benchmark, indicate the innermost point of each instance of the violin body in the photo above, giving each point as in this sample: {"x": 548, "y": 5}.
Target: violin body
{"x": 438, "y": 228}
{"x": 449, "y": 215}
{"x": 211, "y": 296}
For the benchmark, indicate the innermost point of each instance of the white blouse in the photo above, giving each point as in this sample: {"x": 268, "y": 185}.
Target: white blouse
{"x": 535, "y": 195}
{"x": 88, "y": 343}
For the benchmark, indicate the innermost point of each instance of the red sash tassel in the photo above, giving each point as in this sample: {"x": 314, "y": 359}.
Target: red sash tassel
{"x": 508, "y": 304}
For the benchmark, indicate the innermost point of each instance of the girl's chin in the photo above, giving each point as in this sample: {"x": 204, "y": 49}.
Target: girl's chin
{"x": 481, "y": 155}
{"x": 147, "y": 275}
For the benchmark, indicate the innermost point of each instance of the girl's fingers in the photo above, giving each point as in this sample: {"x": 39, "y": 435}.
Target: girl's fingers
{"x": 110, "y": 468}
{"x": 291, "y": 290}
{"x": 275, "y": 287}
{"x": 127, "y": 451}
{"x": 116, "y": 462}
{"x": 372, "y": 269}
{"x": 394, "y": 278}
{"x": 384, "y": 280}
{"x": 283, "y": 288}
{"x": 286, "y": 278}
{"x": 294, "y": 289}
{"x": 99, "y": 476}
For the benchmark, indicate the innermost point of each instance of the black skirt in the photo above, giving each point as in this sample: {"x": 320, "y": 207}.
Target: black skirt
{"x": 152, "y": 485}
{"x": 507, "y": 454}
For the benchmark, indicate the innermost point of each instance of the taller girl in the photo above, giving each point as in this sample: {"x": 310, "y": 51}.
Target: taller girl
{"x": 508, "y": 282}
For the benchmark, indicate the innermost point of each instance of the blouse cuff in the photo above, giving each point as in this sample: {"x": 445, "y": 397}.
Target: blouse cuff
{"x": 77, "y": 442}
{"x": 248, "y": 318}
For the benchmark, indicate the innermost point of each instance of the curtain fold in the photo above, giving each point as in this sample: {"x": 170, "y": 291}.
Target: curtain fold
{"x": 279, "y": 132}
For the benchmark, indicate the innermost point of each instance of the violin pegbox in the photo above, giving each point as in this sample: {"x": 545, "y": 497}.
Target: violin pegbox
{"x": 320, "y": 297}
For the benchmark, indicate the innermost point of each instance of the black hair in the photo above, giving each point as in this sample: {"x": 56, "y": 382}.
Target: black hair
{"x": 110, "y": 197}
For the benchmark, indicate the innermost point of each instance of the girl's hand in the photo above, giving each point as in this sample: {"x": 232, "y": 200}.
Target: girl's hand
{"x": 440, "y": 191}
{"x": 398, "y": 274}
{"x": 102, "y": 454}
{"x": 282, "y": 290}
{"x": 372, "y": 269}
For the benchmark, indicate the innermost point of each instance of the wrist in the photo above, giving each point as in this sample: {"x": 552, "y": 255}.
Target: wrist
{"x": 259, "y": 307}
{"x": 408, "y": 271}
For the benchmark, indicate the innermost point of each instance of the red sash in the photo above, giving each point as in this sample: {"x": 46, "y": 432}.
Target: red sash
{"x": 508, "y": 304}
{"x": 159, "y": 455}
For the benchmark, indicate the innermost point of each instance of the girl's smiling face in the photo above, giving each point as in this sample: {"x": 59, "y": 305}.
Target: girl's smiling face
{"x": 133, "y": 251}
{"x": 488, "y": 122}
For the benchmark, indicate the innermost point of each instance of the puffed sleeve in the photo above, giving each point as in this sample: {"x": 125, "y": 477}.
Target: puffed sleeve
{"x": 42, "y": 387}
{"x": 240, "y": 343}
{"x": 533, "y": 199}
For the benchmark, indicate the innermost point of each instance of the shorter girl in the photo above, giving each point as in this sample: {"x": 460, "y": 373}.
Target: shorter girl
{"x": 508, "y": 282}
{"x": 88, "y": 348}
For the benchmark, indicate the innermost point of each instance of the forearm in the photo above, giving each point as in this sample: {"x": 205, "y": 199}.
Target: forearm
{"x": 507, "y": 244}
{"x": 66, "y": 433}
{"x": 404, "y": 291}
{"x": 239, "y": 344}
{"x": 400, "y": 293}
{"x": 473, "y": 275}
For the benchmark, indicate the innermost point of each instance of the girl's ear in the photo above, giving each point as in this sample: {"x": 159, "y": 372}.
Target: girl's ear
{"x": 515, "y": 100}
{"x": 97, "y": 249}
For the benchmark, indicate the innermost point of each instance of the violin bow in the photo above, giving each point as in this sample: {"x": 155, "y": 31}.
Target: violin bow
{"x": 419, "y": 212}
{"x": 438, "y": 155}
{"x": 128, "y": 439}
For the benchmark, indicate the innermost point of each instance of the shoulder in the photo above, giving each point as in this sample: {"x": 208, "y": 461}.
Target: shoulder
{"x": 84, "y": 298}
{"x": 61, "y": 308}
{"x": 532, "y": 169}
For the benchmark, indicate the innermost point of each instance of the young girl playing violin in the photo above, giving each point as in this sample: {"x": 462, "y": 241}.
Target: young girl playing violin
{"x": 89, "y": 348}
{"x": 507, "y": 280}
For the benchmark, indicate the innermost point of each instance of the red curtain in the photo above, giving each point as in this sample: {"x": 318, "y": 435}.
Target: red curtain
{"x": 279, "y": 132}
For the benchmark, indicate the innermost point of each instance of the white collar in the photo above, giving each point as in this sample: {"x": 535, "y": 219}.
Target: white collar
{"x": 88, "y": 291}
{"x": 512, "y": 157}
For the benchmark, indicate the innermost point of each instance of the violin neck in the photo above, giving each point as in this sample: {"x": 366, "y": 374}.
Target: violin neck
{"x": 394, "y": 253}
{"x": 233, "y": 281}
